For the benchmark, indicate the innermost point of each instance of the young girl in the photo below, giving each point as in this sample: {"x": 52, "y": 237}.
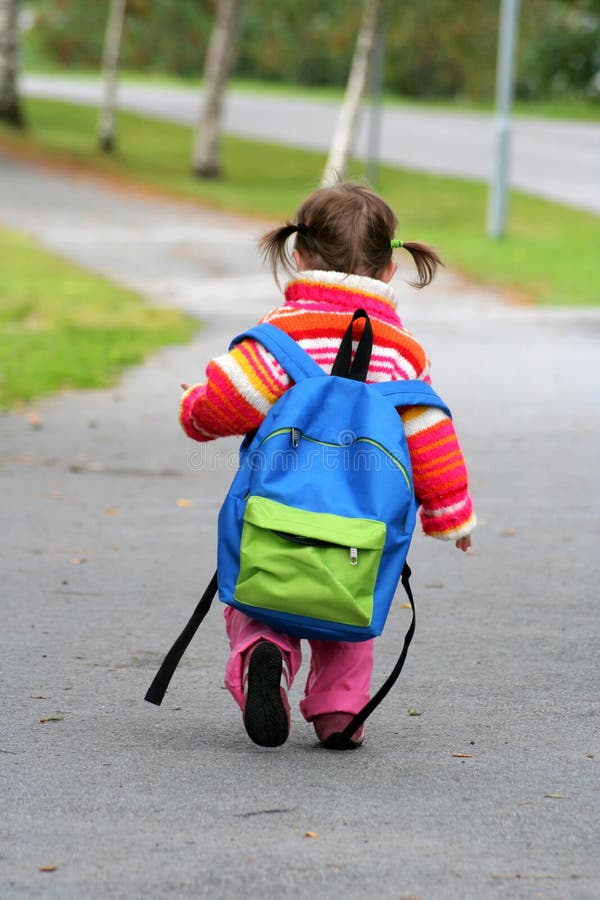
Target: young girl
{"x": 342, "y": 260}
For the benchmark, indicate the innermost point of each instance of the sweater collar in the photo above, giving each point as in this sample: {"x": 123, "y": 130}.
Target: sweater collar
{"x": 332, "y": 286}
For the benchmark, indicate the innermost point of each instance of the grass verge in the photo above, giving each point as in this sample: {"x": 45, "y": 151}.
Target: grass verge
{"x": 63, "y": 328}
{"x": 549, "y": 257}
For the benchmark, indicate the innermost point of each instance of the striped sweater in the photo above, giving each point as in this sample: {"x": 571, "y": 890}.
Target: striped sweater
{"x": 242, "y": 385}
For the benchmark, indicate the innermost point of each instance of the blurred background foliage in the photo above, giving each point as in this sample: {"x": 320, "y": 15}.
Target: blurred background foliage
{"x": 434, "y": 48}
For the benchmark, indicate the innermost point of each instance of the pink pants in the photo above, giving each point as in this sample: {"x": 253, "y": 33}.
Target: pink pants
{"x": 340, "y": 672}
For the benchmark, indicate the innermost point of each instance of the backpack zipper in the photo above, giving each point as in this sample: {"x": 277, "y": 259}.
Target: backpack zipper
{"x": 296, "y": 434}
{"x": 365, "y": 440}
{"x": 317, "y": 542}
{"x": 391, "y": 456}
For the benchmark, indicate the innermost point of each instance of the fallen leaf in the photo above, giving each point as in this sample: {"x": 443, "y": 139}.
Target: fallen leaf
{"x": 78, "y": 560}
{"x": 49, "y": 868}
{"x": 111, "y": 511}
{"x": 463, "y": 755}
{"x": 590, "y": 755}
{"x": 35, "y": 420}
{"x": 555, "y": 796}
{"x": 434, "y": 584}
{"x": 52, "y": 719}
{"x": 404, "y": 606}
{"x": 185, "y": 504}
{"x": 312, "y": 834}
{"x": 37, "y": 697}
{"x": 415, "y": 712}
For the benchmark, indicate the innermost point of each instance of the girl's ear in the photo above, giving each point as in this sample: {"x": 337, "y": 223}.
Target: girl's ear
{"x": 298, "y": 259}
{"x": 389, "y": 272}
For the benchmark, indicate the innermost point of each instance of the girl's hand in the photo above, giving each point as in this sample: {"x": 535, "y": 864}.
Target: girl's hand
{"x": 185, "y": 386}
{"x": 464, "y": 543}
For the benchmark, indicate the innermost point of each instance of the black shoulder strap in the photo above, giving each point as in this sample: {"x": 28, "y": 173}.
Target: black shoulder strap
{"x": 157, "y": 689}
{"x": 342, "y": 740}
{"x": 356, "y": 368}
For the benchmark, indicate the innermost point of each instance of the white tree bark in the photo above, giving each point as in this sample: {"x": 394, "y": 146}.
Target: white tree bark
{"x": 335, "y": 167}
{"x": 110, "y": 69}
{"x": 206, "y": 158}
{"x": 10, "y": 107}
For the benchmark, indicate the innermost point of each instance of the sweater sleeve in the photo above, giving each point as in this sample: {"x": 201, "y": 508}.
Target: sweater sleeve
{"x": 439, "y": 473}
{"x": 240, "y": 388}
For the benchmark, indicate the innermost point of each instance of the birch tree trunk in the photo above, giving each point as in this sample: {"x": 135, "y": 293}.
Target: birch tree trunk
{"x": 335, "y": 167}
{"x": 10, "y": 107}
{"x": 110, "y": 68}
{"x": 206, "y": 158}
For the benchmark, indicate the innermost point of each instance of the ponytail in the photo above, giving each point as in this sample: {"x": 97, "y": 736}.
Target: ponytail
{"x": 426, "y": 260}
{"x": 273, "y": 247}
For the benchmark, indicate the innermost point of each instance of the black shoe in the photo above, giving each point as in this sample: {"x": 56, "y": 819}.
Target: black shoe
{"x": 267, "y": 711}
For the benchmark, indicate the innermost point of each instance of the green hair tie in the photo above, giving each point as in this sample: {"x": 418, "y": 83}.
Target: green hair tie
{"x": 395, "y": 243}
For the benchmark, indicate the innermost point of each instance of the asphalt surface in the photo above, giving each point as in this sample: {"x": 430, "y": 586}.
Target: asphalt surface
{"x": 555, "y": 159}
{"x": 489, "y": 793}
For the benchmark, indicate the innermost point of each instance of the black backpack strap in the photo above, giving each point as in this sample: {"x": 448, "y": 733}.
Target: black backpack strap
{"x": 157, "y": 689}
{"x": 357, "y": 368}
{"x": 342, "y": 740}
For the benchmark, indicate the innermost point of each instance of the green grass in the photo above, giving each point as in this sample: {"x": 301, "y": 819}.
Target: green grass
{"x": 63, "y": 328}
{"x": 550, "y": 256}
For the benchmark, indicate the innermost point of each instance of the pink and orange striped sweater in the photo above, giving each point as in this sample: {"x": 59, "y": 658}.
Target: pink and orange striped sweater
{"x": 243, "y": 384}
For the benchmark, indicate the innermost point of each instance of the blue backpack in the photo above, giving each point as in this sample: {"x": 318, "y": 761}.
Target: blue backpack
{"x": 314, "y": 531}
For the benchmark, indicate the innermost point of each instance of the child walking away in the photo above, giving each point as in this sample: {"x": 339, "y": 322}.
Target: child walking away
{"x": 316, "y": 526}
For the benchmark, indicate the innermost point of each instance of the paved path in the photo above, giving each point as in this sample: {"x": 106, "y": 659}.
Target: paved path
{"x": 101, "y": 567}
{"x": 559, "y": 160}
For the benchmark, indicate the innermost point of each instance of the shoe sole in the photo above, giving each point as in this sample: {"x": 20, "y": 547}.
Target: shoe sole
{"x": 338, "y": 741}
{"x": 265, "y": 716}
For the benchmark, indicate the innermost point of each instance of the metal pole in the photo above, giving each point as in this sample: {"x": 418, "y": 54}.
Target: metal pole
{"x": 507, "y": 39}
{"x": 374, "y": 134}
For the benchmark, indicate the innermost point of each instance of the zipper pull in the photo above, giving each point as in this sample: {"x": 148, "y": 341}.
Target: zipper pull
{"x": 295, "y": 437}
{"x": 353, "y": 556}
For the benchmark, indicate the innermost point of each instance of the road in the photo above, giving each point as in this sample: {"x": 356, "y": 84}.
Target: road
{"x": 557, "y": 160}
{"x": 489, "y": 793}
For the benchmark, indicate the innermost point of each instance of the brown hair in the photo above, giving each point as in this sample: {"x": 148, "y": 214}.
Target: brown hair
{"x": 345, "y": 228}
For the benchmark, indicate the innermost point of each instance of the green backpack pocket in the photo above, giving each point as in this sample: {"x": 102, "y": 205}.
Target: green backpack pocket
{"x": 306, "y": 563}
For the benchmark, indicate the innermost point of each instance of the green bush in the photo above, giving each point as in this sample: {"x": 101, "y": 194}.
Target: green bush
{"x": 564, "y": 58}
{"x": 159, "y": 35}
{"x": 434, "y": 48}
